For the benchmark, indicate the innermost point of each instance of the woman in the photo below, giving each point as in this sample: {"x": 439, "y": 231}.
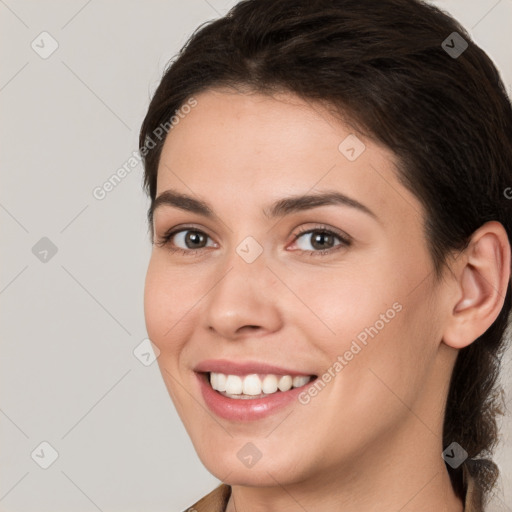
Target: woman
{"x": 330, "y": 277}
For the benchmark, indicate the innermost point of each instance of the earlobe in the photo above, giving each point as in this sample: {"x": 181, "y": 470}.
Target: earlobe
{"x": 481, "y": 285}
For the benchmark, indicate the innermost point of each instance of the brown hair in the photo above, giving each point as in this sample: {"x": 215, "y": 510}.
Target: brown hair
{"x": 380, "y": 64}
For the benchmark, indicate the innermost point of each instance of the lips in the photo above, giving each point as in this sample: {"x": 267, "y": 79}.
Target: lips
{"x": 246, "y": 368}
{"x": 233, "y": 407}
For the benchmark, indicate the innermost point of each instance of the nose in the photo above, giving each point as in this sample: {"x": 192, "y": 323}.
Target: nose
{"x": 243, "y": 300}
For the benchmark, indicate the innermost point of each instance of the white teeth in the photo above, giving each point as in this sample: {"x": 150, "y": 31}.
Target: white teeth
{"x": 234, "y": 385}
{"x": 218, "y": 381}
{"x": 269, "y": 384}
{"x": 285, "y": 383}
{"x": 253, "y": 386}
{"x": 221, "y": 382}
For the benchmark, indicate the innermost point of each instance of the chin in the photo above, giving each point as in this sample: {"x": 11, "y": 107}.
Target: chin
{"x": 235, "y": 467}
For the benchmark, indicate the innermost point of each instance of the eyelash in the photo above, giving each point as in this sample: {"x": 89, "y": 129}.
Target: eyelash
{"x": 344, "y": 239}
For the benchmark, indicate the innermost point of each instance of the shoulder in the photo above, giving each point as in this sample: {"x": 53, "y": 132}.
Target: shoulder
{"x": 215, "y": 501}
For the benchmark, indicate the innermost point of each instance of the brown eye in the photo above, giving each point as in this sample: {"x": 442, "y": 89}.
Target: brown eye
{"x": 194, "y": 239}
{"x": 320, "y": 241}
{"x": 184, "y": 240}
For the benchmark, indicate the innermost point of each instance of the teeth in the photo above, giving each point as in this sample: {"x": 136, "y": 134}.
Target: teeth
{"x": 285, "y": 383}
{"x": 252, "y": 385}
{"x": 221, "y": 382}
{"x": 300, "y": 381}
{"x": 269, "y": 384}
{"x": 218, "y": 381}
{"x": 234, "y": 385}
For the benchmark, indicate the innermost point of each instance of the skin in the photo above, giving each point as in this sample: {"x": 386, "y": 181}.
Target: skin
{"x": 371, "y": 439}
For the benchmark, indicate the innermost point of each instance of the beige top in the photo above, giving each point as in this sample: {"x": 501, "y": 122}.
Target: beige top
{"x": 217, "y": 500}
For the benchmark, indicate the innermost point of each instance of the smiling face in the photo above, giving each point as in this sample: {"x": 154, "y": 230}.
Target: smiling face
{"x": 341, "y": 287}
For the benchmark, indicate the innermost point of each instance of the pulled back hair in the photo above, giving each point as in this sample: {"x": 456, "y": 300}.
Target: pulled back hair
{"x": 380, "y": 65}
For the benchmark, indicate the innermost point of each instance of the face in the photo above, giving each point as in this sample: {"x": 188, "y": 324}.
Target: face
{"x": 253, "y": 281}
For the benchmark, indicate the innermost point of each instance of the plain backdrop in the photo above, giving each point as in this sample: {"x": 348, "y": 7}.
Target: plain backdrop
{"x": 74, "y": 394}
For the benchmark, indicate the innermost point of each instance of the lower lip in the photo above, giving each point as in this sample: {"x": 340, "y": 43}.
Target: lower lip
{"x": 238, "y": 409}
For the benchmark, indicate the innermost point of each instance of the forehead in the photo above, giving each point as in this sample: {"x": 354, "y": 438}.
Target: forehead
{"x": 255, "y": 148}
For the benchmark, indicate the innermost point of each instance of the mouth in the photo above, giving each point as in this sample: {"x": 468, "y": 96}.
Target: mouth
{"x": 249, "y": 390}
{"x": 254, "y": 385}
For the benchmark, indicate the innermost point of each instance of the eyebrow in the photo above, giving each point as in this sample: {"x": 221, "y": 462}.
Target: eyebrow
{"x": 279, "y": 208}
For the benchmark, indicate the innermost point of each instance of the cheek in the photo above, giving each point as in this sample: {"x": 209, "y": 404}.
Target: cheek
{"x": 342, "y": 303}
{"x": 165, "y": 303}
{"x": 165, "y": 308}
{"x": 371, "y": 315}
{"x": 387, "y": 359}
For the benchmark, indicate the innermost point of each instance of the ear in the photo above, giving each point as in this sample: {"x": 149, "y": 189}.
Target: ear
{"x": 482, "y": 273}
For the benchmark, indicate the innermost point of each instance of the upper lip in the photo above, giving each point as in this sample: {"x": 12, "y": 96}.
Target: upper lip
{"x": 244, "y": 368}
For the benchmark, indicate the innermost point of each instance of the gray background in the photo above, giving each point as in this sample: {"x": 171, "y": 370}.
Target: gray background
{"x": 71, "y": 320}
